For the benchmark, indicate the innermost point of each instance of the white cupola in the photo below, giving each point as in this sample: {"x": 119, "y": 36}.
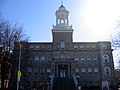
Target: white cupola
{"x": 62, "y": 16}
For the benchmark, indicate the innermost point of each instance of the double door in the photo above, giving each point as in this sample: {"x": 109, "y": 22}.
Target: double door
{"x": 63, "y": 71}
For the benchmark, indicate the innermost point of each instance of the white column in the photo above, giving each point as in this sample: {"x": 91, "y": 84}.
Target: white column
{"x": 67, "y": 21}
{"x": 56, "y": 20}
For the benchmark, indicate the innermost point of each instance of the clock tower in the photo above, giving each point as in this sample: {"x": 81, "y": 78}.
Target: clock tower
{"x": 62, "y": 32}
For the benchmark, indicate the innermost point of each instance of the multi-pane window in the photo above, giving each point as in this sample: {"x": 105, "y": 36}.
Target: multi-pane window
{"x": 49, "y": 47}
{"x": 35, "y": 71}
{"x": 29, "y": 71}
{"x": 81, "y": 47}
{"x": 75, "y": 46}
{"x": 96, "y": 71}
{"x": 62, "y": 45}
{"x": 31, "y": 47}
{"x": 89, "y": 71}
{"x": 77, "y": 70}
{"x": 104, "y": 46}
{"x": 30, "y": 59}
{"x": 83, "y": 71}
{"x": 48, "y": 71}
{"x": 76, "y": 58}
{"x": 87, "y": 47}
{"x": 107, "y": 71}
{"x": 36, "y": 59}
{"x": 42, "y": 71}
{"x": 62, "y": 57}
{"x": 37, "y": 47}
{"x": 42, "y": 59}
{"x": 43, "y": 47}
{"x": 95, "y": 59}
{"x": 82, "y": 59}
{"x": 89, "y": 59}
{"x": 93, "y": 47}
{"x": 106, "y": 58}
{"x": 48, "y": 58}
{"x": 62, "y": 36}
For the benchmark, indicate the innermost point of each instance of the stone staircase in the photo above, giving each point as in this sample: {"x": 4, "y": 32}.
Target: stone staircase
{"x": 63, "y": 84}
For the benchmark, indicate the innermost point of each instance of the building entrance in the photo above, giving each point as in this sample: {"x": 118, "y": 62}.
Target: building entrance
{"x": 63, "y": 71}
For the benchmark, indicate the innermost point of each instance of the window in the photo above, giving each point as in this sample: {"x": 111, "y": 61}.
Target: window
{"x": 43, "y": 47}
{"x": 35, "y": 71}
{"x": 104, "y": 46}
{"x": 75, "y": 46}
{"x": 76, "y": 58}
{"x": 42, "y": 71}
{"x": 36, "y": 58}
{"x": 48, "y": 71}
{"x": 30, "y": 60}
{"x": 96, "y": 71}
{"x": 93, "y": 47}
{"x": 87, "y": 46}
{"x": 89, "y": 59}
{"x": 31, "y": 47}
{"x": 42, "y": 59}
{"x": 107, "y": 71}
{"x": 89, "y": 71}
{"x": 95, "y": 59}
{"x": 62, "y": 45}
{"x": 82, "y": 59}
{"x": 48, "y": 58}
{"x": 37, "y": 47}
{"x": 106, "y": 58}
{"x": 62, "y": 57}
{"x": 62, "y": 36}
{"x": 81, "y": 47}
{"x": 77, "y": 70}
{"x": 29, "y": 71}
{"x": 83, "y": 71}
{"x": 49, "y": 47}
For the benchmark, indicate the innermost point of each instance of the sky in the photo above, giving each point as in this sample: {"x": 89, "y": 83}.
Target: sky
{"x": 92, "y": 20}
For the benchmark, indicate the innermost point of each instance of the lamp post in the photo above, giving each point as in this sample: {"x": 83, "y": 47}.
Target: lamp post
{"x": 19, "y": 61}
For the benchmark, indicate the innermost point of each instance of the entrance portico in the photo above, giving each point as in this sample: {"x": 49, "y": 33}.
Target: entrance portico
{"x": 63, "y": 70}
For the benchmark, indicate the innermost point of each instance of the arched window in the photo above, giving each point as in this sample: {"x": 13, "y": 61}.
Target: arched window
{"x": 106, "y": 58}
{"x": 107, "y": 71}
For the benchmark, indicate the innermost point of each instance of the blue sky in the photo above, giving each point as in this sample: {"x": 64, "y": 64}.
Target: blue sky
{"x": 36, "y": 16}
{"x": 92, "y": 20}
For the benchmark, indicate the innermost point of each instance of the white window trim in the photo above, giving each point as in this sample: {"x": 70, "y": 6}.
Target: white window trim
{"x": 108, "y": 69}
{"x": 106, "y": 57}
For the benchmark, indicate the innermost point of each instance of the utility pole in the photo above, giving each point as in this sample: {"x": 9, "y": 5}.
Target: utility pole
{"x": 19, "y": 61}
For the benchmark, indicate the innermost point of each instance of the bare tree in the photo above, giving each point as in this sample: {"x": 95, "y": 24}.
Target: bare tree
{"x": 8, "y": 35}
{"x": 115, "y": 40}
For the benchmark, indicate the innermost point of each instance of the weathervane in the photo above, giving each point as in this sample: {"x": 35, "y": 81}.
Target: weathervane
{"x": 61, "y": 2}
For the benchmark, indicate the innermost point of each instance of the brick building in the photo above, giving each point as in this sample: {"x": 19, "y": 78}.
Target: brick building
{"x": 50, "y": 65}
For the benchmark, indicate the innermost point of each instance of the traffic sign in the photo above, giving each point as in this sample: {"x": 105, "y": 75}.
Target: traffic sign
{"x": 19, "y": 73}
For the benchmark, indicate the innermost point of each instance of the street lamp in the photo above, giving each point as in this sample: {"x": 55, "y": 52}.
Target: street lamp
{"x": 19, "y": 61}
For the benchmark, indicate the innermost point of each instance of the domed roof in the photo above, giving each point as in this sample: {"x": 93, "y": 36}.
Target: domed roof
{"x": 62, "y": 7}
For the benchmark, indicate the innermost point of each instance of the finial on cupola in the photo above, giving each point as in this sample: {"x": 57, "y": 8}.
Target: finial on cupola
{"x": 62, "y": 3}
